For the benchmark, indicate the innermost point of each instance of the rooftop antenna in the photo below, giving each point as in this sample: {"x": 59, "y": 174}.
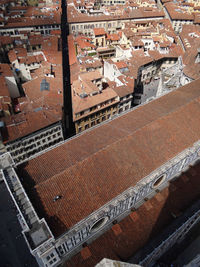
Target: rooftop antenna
{"x": 67, "y": 120}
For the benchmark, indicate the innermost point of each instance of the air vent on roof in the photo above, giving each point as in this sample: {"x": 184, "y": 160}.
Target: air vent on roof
{"x": 83, "y": 95}
{"x": 57, "y": 198}
{"x": 44, "y": 85}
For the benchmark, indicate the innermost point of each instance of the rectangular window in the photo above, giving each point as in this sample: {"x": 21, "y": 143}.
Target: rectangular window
{"x": 61, "y": 250}
{"x": 69, "y": 244}
{"x": 85, "y": 232}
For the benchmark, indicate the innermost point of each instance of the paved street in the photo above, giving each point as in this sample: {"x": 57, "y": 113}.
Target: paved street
{"x": 150, "y": 90}
{"x": 13, "y": 249}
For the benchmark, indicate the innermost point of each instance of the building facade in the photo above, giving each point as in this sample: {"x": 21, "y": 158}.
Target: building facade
{"x": 27, "y": 147}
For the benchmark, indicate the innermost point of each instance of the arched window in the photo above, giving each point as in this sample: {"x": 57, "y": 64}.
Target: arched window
{"x": 98, "y": 224}
{"x": 159, "y": 180}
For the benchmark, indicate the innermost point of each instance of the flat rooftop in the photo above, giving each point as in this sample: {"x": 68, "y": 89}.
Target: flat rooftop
{"x": 93, "y": 168}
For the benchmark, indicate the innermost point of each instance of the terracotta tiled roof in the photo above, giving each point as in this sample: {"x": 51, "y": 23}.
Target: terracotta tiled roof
{"x": 178, "y": 13}
{"x": 192, "y": 69}
{"x": 72, "y": 51}
{"x": 156, "y": 38}
{"x": 21, "y": 124}
{"x": 117, "y": 229}
{"x": 30, "y": 14}
{"x": 113, "y": 37}
{"x": 144, "y": 224}
{"x": 56, "y": 32}
{"x": 32, "y": 88}
{"x": 90, "y": 76}
{"x": 5, "y": 40}
{"x": 121, "y": 64}
{"x": 12, "y": 55}
{"x": 54, "y": 57}
{"x": 125, "y": 89}
{"x": 81, "y": 104}
{"x": 95, "y": 167}
{"x": 4, "y": 92}
{"x": 165, "y": 44}
{"x": 20, "y": 51}
{"x": 84, "y": 86}
{"x": 99, "y": 31}
{"x": 85, "y": 253}
{"x": 82, "y": 37}
{"x": 137, "y": 42}
{"x": 35, "y": 40}
{"x": 50, "y": 43}
{"x": 5, "y": 70}
{"x": 94, "y": 64}
{"x": 84, "y": 44}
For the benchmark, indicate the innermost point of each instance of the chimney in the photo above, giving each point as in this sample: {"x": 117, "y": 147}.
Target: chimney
{"x": 52, "y": 72}
{"x": 67, "y": 120}
{"x": 86, "y": 253}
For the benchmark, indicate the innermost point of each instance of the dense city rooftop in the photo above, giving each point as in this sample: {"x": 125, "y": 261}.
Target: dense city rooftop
{"x": 109, "y": 159}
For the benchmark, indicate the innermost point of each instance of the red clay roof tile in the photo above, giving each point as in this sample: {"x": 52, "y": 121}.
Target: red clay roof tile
{"x": 134, "y": 216}
{"x": 136, "y": 233}
{"x": 106, "y": 159}
{"x": 85, "y": 253}
{"x": 99, "y": 31}
{"x": 116, "y": 229}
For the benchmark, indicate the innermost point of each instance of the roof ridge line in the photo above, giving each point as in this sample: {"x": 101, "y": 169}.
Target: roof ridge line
{"x": 105, "y": 147}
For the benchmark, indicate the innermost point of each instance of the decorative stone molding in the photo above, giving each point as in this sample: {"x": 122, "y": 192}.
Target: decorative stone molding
{"x": 33, "y": 145}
